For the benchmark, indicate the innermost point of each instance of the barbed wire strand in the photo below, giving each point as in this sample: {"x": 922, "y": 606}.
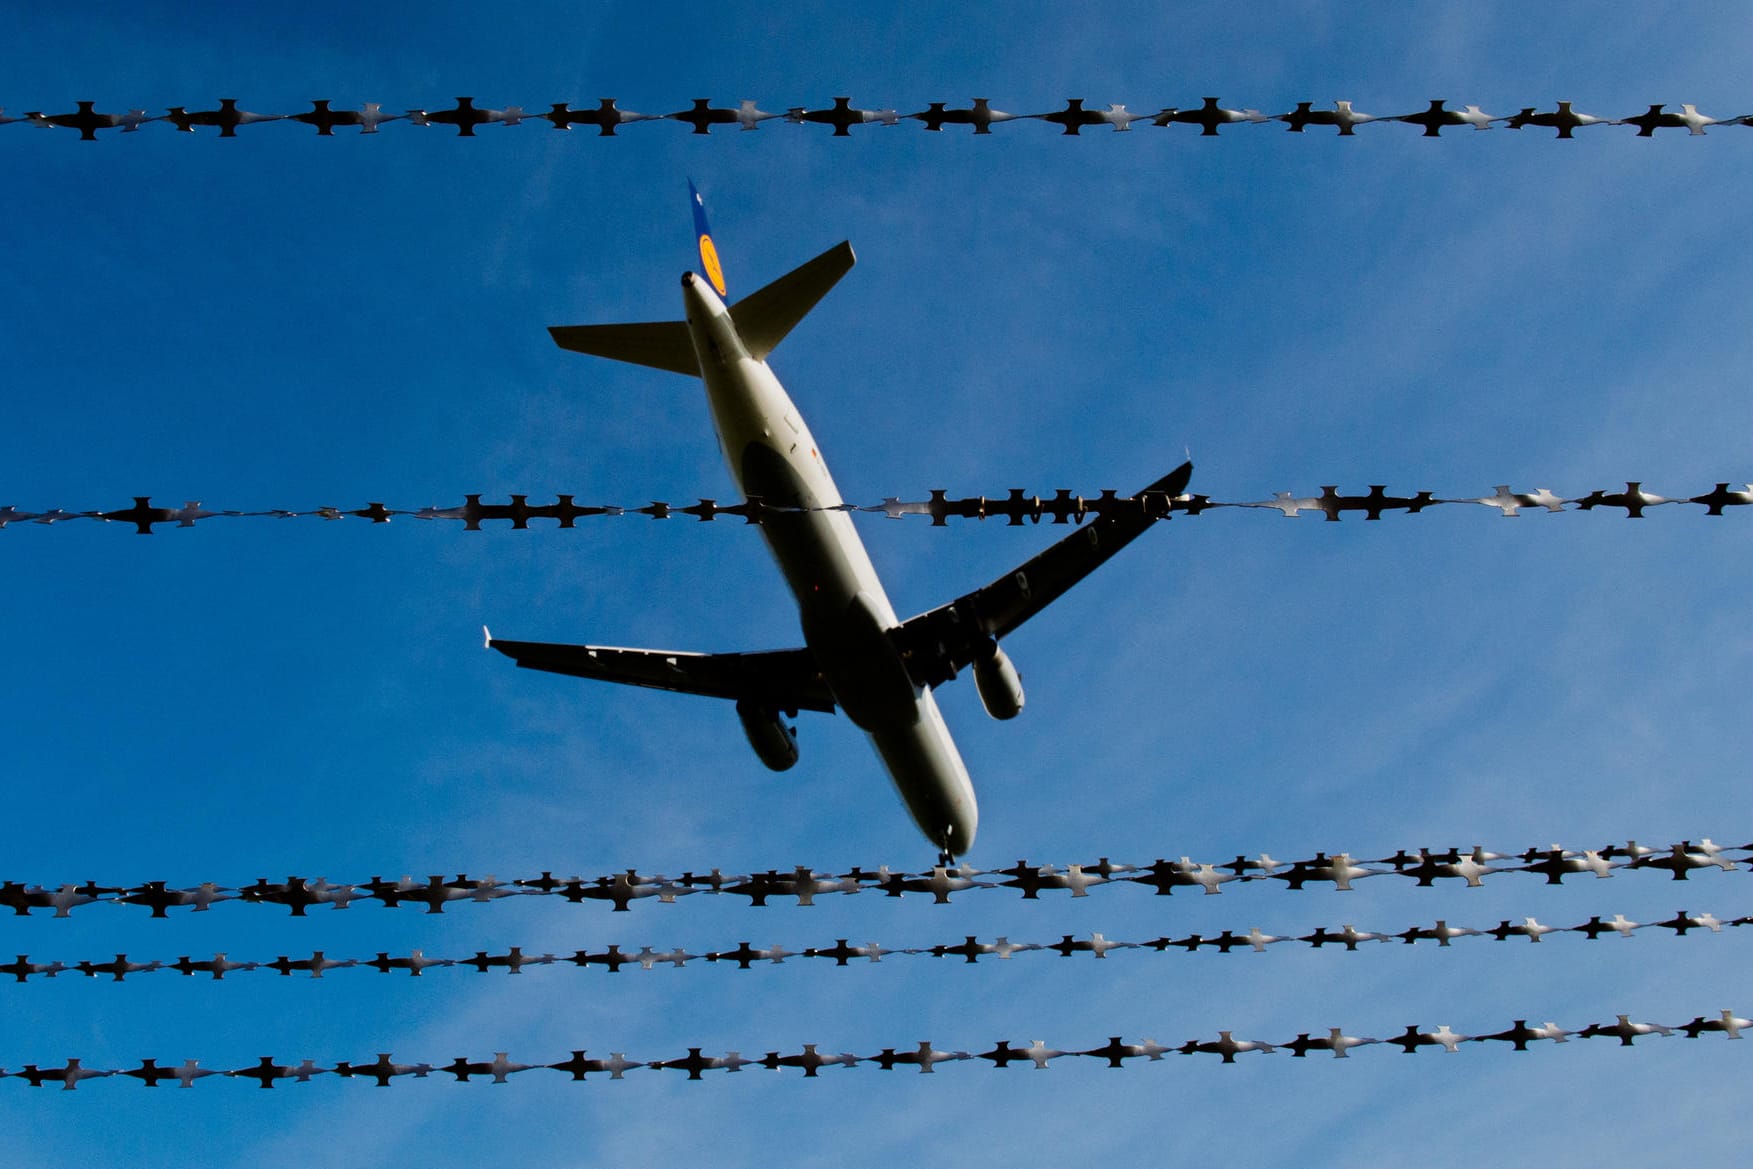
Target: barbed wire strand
{"x": 1425, "y": 867}
{"x": 970, "y": 950}
{"x": 1015, "y": 506}
{"x": 701, "y": 116}
{"x": 267, "y": 1072}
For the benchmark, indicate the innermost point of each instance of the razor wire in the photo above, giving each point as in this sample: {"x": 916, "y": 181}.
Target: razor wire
{"x": 1424, "y": 868}
{"x": 701, "y": 116}
{"x": 1015, "y": 507}
{"x": 266, "y": 1072}
{"x": 971, "y": 949}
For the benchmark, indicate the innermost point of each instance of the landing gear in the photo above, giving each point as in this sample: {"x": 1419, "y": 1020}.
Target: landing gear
{"x": 945, "y": 860}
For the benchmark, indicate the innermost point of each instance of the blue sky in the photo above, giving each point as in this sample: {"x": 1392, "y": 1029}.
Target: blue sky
{"x": 287, "y": 321}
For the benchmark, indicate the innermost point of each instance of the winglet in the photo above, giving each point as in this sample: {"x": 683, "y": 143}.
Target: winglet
{"x": 1175, "y": 482}
{"x": 486, "y": 638}
{"x": 709, "y": 265}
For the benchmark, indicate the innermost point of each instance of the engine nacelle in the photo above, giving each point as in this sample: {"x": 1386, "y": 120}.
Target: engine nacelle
{"x": 774, "y": 742}
{"x": 1001, "y": 690}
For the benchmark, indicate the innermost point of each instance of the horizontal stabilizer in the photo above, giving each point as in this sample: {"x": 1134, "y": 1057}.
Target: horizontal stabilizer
{"x": 658, "y": 344}
{"x": 786, "y": 679}
{"x": 763, "y": 318}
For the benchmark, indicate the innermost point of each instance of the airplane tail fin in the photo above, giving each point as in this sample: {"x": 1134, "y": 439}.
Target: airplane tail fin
{"x": 709, "y": 265}
{"x": 763, "y": 318}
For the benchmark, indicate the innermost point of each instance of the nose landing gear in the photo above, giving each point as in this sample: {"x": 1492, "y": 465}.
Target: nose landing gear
{"x": 946, "y": 857}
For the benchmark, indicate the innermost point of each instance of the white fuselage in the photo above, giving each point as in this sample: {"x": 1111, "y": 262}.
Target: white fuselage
{"x": 845, "y": 614}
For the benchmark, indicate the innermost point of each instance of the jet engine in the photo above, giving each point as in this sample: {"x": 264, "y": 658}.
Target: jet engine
{"x": 1001, "y": 690}
{"x": 774, "y": 742}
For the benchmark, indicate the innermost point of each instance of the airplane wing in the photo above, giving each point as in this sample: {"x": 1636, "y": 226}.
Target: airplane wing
{"x": 938, "y": 644}
{"x": 786, "y": 679}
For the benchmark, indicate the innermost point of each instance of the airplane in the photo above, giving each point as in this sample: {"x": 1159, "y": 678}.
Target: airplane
{"x": 858, "y": 656}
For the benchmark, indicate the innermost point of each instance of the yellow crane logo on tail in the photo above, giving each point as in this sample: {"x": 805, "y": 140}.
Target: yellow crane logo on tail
{"x": 709, "y": 263}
